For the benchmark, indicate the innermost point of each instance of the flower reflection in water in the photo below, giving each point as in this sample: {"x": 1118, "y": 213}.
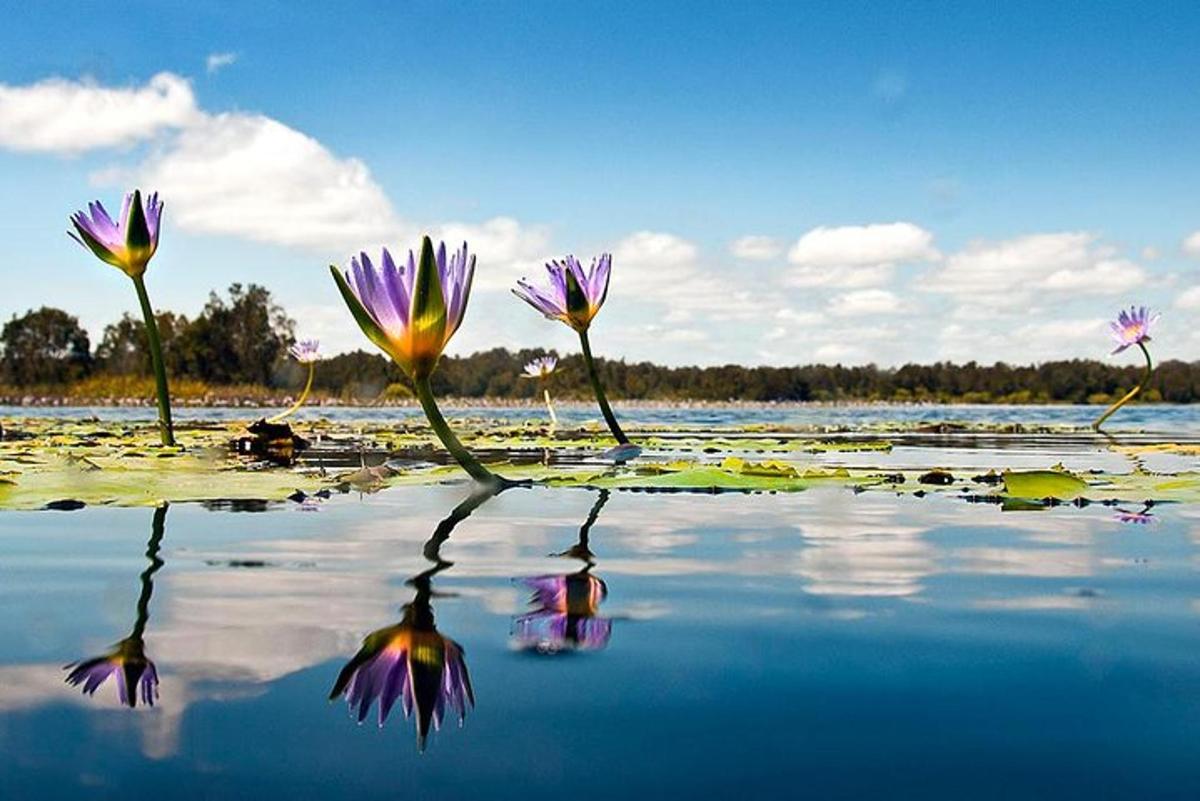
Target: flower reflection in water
{"x": 411, "y": 661}
{"x": 135, "y": 674}
{"x": 566, "y": 607}
{"x": 1142, "y": 517}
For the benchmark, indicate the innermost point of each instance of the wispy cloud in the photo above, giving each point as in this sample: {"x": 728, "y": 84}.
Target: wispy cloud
{"x": 218, "y": 61}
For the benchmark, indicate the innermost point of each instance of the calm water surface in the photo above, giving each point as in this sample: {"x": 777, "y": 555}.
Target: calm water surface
{"x": 1161, "y": 418}
{"x": 679, "y": 646}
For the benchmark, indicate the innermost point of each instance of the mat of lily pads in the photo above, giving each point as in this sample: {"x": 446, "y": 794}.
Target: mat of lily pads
{"x": 60, "y": 464}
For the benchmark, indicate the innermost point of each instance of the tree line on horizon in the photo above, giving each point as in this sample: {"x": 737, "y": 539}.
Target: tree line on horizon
{"x": 242, "y": 340}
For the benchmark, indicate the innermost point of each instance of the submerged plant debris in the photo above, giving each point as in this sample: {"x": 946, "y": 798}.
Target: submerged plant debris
{"x": 67, "y": 464}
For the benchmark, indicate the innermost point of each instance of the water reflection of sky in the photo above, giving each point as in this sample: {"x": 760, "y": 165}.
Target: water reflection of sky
{"x": 846, "y": 643}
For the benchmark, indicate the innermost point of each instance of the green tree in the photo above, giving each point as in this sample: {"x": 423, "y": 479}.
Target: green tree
{"x": 123, "y": 348}
{"x": 239, "y": 341}
{"x": 47, "y": 346}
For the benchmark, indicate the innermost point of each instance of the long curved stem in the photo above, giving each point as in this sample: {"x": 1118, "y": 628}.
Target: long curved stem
{"x": 312, "y": 370}
{"x": 166, "y": 428}
{"x": 1131, "y": 394}
{"x": 456, "y": 448}
{"x": 549, "y": 406}
{"x": 598, "y": 389}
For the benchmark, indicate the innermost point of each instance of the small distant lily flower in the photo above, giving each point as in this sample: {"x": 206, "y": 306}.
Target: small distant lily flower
{"x": 566, "y": 616}
{"x": 135, "y": 674}
{"x": 410, "y": 311}
{"x": 128, "y": 244}
{"x": 541, "y": 367}
{"x": 575, "y": 297}
{"x": 1131, "y": 327}
{"x": 410, "y": 662}
{"x": 306, "y": 351}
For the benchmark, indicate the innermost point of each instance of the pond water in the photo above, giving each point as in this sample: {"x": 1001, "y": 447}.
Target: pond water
{"x": 678, "y": 646}
{"x": 1160, "y": 418}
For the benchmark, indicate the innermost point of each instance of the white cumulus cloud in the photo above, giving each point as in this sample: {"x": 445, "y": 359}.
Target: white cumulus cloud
{"x": 72, "y": 117}
{"x": 1009, "y": 273}
{"x": 756, "y": 248}
{"x": 857, "y": 256}
{"x": 1189, "y": 299}
{"x": 1191, "y": 244}
{"x": 864, "y": 302}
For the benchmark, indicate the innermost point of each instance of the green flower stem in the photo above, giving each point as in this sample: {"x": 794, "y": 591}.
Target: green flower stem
{"x": 312, "y": 370}
{"x": 166, "y": 428}
{"x": 442, "y": 429}
{"x": 598, "y": 388}
{"x": 157, "y": 527}
{"x": 549, "y": 406}
{"x": 1131, "y": 394}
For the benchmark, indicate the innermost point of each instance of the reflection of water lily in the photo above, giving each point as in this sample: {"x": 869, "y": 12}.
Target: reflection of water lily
{"x": 128, "y": 663}
{"x": 567, "y": 607}
{"x": 575, "y": 297}
{"x": 1139, "y": 518}
{"x": 567, "y": 614}
{"x": 1131, "y": 328}
{"x": 412, "y": 662}
{"x": 128, "y": 244}
{"x": 135, "y": 674}
{"x": 410, "y": 311}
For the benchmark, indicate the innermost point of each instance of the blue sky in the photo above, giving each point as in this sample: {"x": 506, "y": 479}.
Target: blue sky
{"x": 779, "y": 182}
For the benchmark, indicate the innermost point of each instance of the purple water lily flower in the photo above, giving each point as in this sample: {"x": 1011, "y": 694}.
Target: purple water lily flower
{"x": 566, "y": 615}
{"x": 306, "y": 351}
{"x": 541, "y": 367}
{"x": 574, "y": 296}
{"x": 135, "y": 674}
{"x": 412, "y": 309}
{"x": 127, "y": 243}
{"x": 410, "y": 662}
{"x": 1132, "y": 327}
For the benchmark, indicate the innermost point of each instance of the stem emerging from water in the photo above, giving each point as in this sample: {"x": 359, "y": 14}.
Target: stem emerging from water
{"x": 156, "y": 359}
{"x": 1131, "y": 394}
{"x": 598, "y": 388}
{"x": 550, "y": 407}
{"x": 312, "y": 370}
{"x": 456, "y": 448}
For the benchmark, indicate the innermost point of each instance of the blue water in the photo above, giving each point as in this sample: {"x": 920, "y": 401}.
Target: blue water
{"x": 1159, "y": 418}
{"x": 820, "y": 644}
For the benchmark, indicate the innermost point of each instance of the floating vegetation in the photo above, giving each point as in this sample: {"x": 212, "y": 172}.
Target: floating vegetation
{"x": 64, "y": 465}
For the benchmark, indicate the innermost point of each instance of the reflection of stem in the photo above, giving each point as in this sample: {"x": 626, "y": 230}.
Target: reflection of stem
{"x": 582, "y": 549}
{"x": 157, "y": 528}
{"x": 1131, "y": 394}
{"x": 166, "y": 428}
{"x": 459, "y": 513}
{"x": 550, "y": 407}
{"x": 598, "y": 389}
{"x": 312, "y": 369}
{"x": 440, "y": 427}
